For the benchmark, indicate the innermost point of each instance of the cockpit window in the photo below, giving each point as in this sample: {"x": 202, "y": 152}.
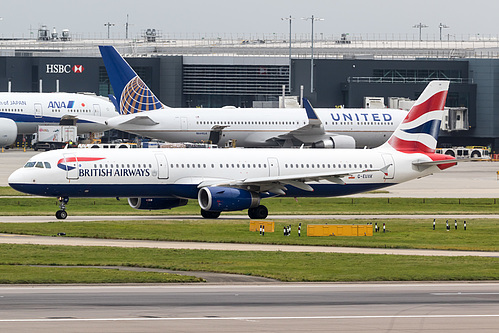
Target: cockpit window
{"x": 29, "y": 164}
{"x": 47, "y": 165}
{"x": 39, "y": 165}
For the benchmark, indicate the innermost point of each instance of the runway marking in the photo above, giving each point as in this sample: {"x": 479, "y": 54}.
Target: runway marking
{"x": 41, "y": 320}
{"x": 462, "y": 294}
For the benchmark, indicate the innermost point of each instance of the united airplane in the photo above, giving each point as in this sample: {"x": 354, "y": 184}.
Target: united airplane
{"x": 330, "y": 128}
{"x": 21, "y": 113}
{"x": 233, "y": 179}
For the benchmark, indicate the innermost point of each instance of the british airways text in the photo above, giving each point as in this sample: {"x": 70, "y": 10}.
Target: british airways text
{"x": 114, "y": 173}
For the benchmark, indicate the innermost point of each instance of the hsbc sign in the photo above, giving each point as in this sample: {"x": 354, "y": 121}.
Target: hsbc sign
{"x": 63, "y": 69}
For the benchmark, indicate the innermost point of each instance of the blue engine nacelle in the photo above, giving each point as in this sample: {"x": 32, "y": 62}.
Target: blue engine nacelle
{"x": 218, "y": 199}
{"x": 336, "y": 142}
{"x": 156, "y": 203}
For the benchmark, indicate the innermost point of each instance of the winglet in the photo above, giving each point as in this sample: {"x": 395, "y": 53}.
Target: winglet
{"x": 310, "y": 110}
{"x": 385, "y": 169}
{"x": 313, "y": 119}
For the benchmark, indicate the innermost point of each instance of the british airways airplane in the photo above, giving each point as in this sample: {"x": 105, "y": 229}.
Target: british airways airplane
{"x": 330, "y": 128}
{"x": 235, "y": 179}
{"x": 21, "y": 113}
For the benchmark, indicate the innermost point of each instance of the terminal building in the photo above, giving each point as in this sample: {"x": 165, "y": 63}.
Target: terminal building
{"x": 256, "y": 73}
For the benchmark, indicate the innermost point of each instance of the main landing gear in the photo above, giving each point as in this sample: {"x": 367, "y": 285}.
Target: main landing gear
{"x": 209, "y": 215}
{"x": 61, "y": 214}
{"x": 257, "y": 213}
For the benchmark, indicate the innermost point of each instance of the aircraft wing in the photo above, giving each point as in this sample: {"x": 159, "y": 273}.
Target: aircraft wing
{"x": 141, "y": 119}
{"x": 314, "y": 126}
{"x": 311, "y": 132}
{"x": 85, "y": 118}
{"x": 276, "y": 184}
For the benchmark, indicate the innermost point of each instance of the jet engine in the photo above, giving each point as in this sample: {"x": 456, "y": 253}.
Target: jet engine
{"x": 219, "y": 199}
{"x": 336, "y": 142}
{"x": 156, "y": 203}
{"x": 8, "y": 132}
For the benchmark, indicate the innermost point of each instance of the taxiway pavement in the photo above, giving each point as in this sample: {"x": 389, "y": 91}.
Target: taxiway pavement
{"x": 318, "y": 307}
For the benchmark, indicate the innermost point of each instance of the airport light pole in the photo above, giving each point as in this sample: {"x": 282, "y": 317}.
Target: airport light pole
{"x": 442, "y": 26}
{"x": 420, "y": 26}
{"x": 108, "y": 24}
{"x": 312, "y": 19}
{"x": 289, "y": 66}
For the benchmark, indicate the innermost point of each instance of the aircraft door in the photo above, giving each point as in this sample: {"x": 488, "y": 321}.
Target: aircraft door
{"x": 163, "y": 172}
{"x": 388, "y": 159}
{"x": 273, "y": 167}
{"x": 70, "y": 164}
{"x": 97, "y": 111}
{"x": 183, "y": 123}
{"x": 38, "y": 110}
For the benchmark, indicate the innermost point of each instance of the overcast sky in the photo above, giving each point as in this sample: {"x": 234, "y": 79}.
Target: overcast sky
{"x": 86, "y": 18}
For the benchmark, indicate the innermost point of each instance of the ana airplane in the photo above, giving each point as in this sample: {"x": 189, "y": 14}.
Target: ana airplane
{"x": 21, "y": 113}
{"x": 234, "y": 179}
{"x": 331, "y": 128}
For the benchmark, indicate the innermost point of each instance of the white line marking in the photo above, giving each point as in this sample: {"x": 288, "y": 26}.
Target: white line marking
{"x": 462, "y": 294}
{"x": 251, "y": 318}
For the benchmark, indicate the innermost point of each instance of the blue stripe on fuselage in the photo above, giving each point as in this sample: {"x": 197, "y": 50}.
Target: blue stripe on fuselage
{"x": 177, "y": 190}
{"x": 30, "y": 118}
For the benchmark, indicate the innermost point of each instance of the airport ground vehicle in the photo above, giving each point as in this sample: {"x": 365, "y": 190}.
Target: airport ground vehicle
{"x": 466, "y": 152}
{"x": 50, "y": 137}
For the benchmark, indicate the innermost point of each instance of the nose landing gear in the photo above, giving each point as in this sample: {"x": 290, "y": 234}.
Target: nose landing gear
{"x": 61, "y": 214}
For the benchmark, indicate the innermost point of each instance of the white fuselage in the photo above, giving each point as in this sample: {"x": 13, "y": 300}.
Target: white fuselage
{"x": 263, "y": 127}
{"x": 29, "y": 110}
{"x": 178, "y": 173}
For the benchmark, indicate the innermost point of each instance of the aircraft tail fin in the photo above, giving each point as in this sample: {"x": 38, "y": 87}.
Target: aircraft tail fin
{"x": 132, "y": 94}
{"x": 418, "y": 132}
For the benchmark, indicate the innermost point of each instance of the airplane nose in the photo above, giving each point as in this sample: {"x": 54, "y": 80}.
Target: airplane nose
{"x": 14, "y": 177}
{"x": 17, "y": 179}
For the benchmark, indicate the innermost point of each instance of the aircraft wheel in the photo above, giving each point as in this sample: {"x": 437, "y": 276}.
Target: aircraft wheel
{"x": 258, "y": 213}
{"x": 209, "y": 215}
{"x": 61, "y": 214}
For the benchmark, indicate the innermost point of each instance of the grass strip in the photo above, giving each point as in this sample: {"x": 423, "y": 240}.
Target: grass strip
{"x": 21, "y": 274}
{"x": 292, "y": 267}
{"x": 310, "y": 206}
{"x": 401, "y": 233}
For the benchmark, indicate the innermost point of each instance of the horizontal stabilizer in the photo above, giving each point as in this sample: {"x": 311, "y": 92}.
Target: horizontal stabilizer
{"x": 430, "y": 163}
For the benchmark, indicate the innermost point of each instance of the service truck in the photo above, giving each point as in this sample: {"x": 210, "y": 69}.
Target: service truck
{"x": 53, "y": 137}
{"x": 478, "y": 152}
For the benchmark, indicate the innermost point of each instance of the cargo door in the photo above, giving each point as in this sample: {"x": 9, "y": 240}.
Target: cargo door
{"x": 70, "y": 164}
{"x": 388, "y": 159}
{"x": 38, "y": 110}
{"x": 273, "y": 167}
{"x": 163, "y": 172}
